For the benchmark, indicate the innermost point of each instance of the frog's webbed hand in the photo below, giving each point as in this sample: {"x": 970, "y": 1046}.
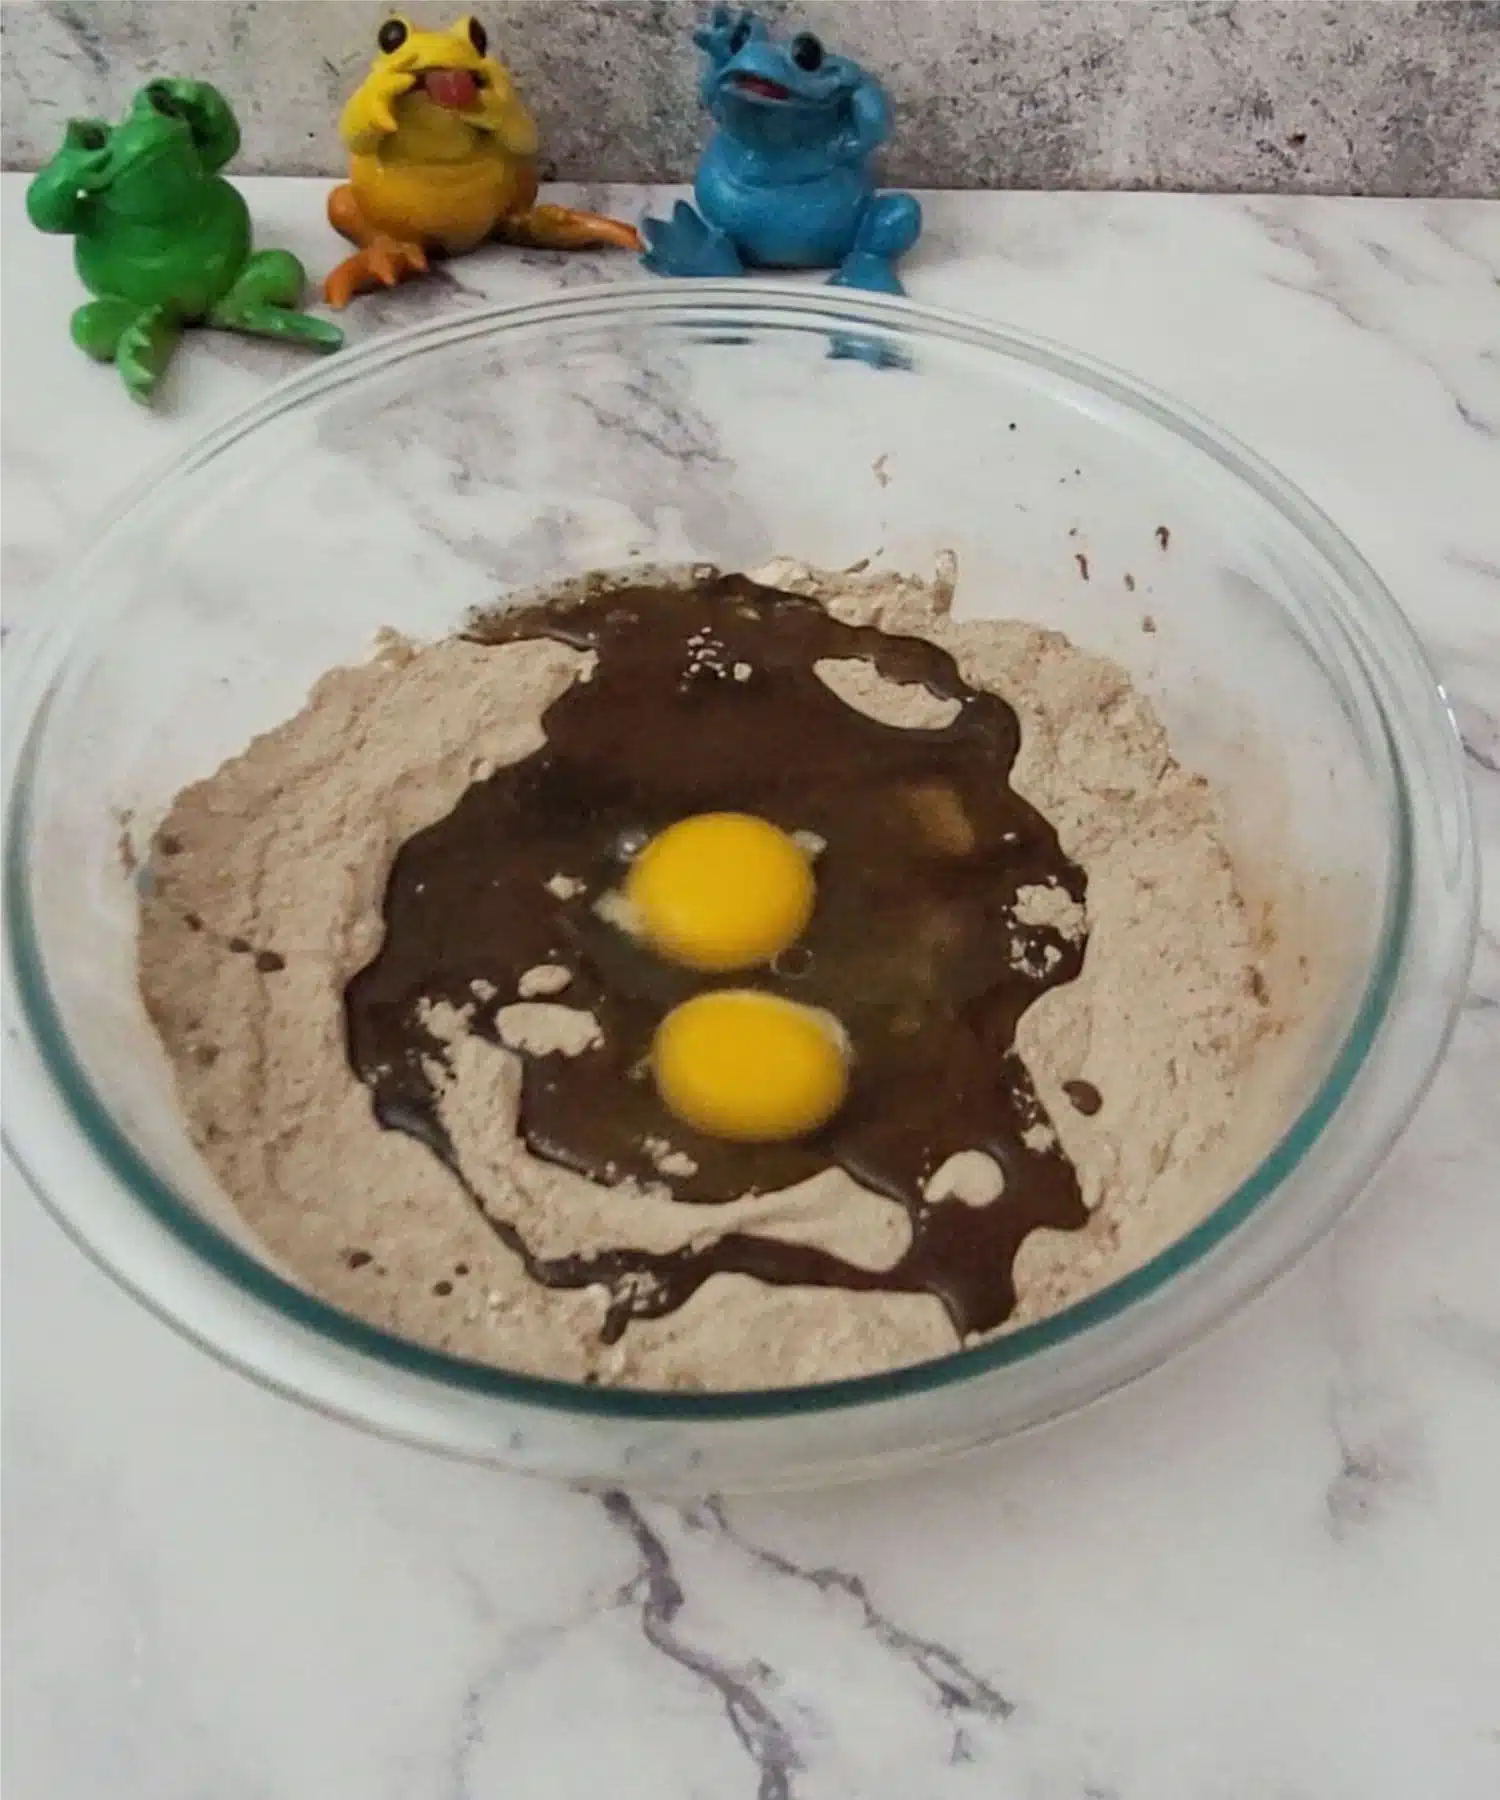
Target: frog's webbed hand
{"x": 724, "y": 36}
{"x": 716, "y": 38}
{"x": 60, "y": 194}
{"x": 216, "y": 131}
{"x": 869, "y": 122}
{"x": 505, "y": 117}
{"x": 370, "y": 114}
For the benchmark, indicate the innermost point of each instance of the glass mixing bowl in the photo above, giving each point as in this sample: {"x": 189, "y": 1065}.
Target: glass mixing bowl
{"x": 406, "y": 481}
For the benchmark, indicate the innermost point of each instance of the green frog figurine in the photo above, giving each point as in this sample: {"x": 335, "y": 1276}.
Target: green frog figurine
{"x": 163, "y": 241}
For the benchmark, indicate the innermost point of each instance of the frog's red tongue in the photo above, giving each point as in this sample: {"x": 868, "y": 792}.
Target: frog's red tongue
{"x": 758, "y": 84}
{"x": 451, "y": 87}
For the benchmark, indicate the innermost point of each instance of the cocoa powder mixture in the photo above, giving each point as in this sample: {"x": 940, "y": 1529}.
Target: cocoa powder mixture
{"x": 1159, "y": 1067}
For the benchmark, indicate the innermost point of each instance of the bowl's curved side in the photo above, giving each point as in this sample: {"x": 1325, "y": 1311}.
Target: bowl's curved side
{"x": 112, "y": 1202}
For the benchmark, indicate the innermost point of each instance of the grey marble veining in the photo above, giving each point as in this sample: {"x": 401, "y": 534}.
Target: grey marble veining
{"x": 1389, "y": 97}
{"x": 1267, "y": 1570}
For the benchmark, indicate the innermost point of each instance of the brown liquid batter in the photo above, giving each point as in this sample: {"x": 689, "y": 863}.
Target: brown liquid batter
{"x": 1085, "y": 1096}
{"x": 707, "y": 700}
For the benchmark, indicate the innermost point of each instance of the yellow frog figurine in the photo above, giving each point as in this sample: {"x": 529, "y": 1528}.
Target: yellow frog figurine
{"x": 442, "y": 159}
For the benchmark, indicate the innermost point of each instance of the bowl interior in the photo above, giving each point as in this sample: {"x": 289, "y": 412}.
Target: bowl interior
{"x": 409, "y": 482}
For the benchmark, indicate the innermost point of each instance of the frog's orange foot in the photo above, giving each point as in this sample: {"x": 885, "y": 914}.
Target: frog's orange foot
{"x": 382, "y": 262}
{"x": 564, "y": 228}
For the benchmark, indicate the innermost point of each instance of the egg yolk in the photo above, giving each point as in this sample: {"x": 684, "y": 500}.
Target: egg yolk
{"x": 735, "y": 1063}
{"x": 721, "y": 891}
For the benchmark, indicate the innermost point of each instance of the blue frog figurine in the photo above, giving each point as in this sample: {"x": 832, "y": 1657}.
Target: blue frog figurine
{"x": 785, "y": 181}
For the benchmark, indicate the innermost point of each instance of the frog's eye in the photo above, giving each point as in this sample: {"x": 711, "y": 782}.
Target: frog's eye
{"x": 88, "y": 135}
{"x": 807, "y": 52}
{"x": 740, "y": 36}
{"x": 392, "y": 35}
{"x": 163, "y": 100}
{"x": 478, "y": 37}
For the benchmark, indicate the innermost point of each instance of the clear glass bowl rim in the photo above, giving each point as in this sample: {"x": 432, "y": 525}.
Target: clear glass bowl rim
{"x": 711, "y": 306}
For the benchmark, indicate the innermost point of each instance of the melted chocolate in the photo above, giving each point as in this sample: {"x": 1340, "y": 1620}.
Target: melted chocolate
{"x": 703, "y": 701}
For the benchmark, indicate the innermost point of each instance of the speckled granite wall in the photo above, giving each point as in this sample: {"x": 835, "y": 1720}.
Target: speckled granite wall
{"x": 1356, "y": 96}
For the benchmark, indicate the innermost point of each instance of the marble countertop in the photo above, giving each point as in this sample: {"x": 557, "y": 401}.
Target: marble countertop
{"x": 1268, "y": 1571}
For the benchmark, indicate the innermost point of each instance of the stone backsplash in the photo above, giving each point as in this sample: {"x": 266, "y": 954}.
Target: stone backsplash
{"x": 1293, "y": 96}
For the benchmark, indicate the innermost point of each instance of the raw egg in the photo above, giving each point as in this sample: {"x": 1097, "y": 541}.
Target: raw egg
{"x": 735, "y": 1063}
{"x": 721, "y": 891}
